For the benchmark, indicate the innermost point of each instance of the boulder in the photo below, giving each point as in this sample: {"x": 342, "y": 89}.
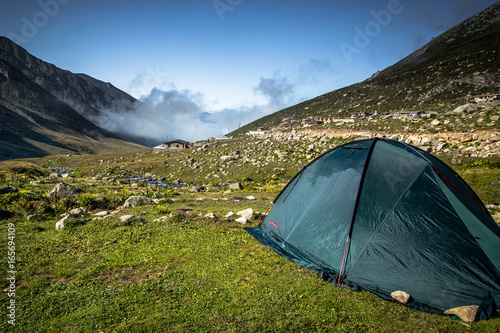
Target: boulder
{"x": 241, "y": 220}
{"x": 401, "y": 296}
{"x": 246, "y": 213}
{"x": 125, "y": 218}
{"x": 211, "y": 216}
{"x": 196, "y": 189}
{"x": 78, "y": 211}
{"x": 6, "y": 214}
{"x": 8, "y": 189}
{"x": 236, "y": 186}
{"x": 60, "y": 223}
{"x": 227, "y": 158}
{"x": 63, "y": 190}
{"x": 137, "y": 201}
{"x": 466, "y": 313}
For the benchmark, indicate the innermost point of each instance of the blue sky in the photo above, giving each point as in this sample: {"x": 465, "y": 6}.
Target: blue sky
{"x": 238, "y": 57}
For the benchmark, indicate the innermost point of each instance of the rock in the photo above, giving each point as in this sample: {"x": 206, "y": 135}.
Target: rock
{"x": 33, "y": 217}
{"x": 6, "y": 214}
{"x": 183, "y": 211}
{"x": 236, "y": 186}
{"x": 77, "y": 211}
{"x": 401, "y": 296}
{"x": 466, "y": 313}
{"x": 227, "y": 158}
{"x": 137, "y": 201}
{"x": 8, "y": 189}
{"x": 250, "y": 197}
{"x": 211, "y": 216}
{"x": 241, "y": 220}
{"x": 246, "y": 213}
{"x": 63, "y": 190}
{"x": 466, "y": 138}
{"x": 60, "y": 223}
{"x": 125, "y": 218}
{"x": 435, "y": 122}
{"x": 238, "y": 199}
{"x": 54, "y": 175}
{"x": 196, "y": 189}
{"x": 229, "y": 214}
{"x": 103, "y": 213}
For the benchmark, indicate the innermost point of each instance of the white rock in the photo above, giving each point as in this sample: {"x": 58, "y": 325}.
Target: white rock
{"x": 229, "y": 214}
{"x": 466, "y": 313}
{"x": 60, "y": 223}
{"x": 126, "y": 217}
{"x": 401, "y": 296}
{"x": 241, "y": 220}
{"x": 246, "y": 213}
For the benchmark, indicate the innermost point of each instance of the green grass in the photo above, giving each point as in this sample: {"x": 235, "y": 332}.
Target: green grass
{"x": 184, "y": 273}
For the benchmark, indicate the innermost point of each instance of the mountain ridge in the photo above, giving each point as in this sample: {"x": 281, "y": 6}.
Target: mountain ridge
{"x": 47, "y": 110}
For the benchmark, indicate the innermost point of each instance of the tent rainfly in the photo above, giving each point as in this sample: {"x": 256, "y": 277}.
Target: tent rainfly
{"x": 389, "y": 218}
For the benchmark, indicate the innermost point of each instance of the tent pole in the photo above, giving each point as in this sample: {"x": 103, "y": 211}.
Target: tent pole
{"x": 358, "y": 197}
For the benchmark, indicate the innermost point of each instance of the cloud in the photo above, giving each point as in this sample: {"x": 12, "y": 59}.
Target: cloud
{"x": 278, "y": 89}
{"x": 182, "y": 114}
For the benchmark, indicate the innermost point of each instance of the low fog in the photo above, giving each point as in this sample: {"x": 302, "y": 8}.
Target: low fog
{"x": 182, "y": 114}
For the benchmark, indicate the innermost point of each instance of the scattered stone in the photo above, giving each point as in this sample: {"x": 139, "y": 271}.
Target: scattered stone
{"x": 63, "y": 190}
{"x": 161, "y": 219}
{"x": 241, "y": 220}
{"x": 8, "y": 189}
{"x": 137, "y": 201}
{"x": 103, "y": 213}
{"x": 251, "y": 197}
{"x": 60, "y": 223}
{"x": 229, "y": 214}
{"x": 183, "y": 211}
{"x": 236, "y": 186}
{"x": 6, "y": 214}
{"x": 466, "y": 313}
{"x": 238, "y": 199}
{"x": 33, "y": 217}
{"x": 196, "y": 189}
{"x": 125, "y": 218}
{"x": 401, "y": 296}
{"x": 78, "y": 211}
{"x": 227, "y": 158}
{"x": 211, "y": 216}
{"x": 246, "y": 213}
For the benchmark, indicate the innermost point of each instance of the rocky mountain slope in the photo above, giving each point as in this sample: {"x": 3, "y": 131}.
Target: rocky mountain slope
{"x": 445, "y": 73}
{"x": 47, "y": 110}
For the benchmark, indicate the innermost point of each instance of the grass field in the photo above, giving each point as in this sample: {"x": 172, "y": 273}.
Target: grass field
{"x": 180, "y": 274}
{"x": 163, "y": 271}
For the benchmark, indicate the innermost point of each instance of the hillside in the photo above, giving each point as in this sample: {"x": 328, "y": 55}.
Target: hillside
{"x": 443, "y": 74}
{"x": 47, "y": 110}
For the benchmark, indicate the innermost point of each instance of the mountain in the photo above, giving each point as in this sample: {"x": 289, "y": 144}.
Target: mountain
{"x": 48, "y": 110}
{"x": 443, "y": 74}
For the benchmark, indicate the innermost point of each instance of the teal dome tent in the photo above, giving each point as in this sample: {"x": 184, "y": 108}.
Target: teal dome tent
{"x": 386, "y": 217}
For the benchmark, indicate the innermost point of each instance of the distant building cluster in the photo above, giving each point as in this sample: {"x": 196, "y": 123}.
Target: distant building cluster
{"x": 486, "y": 98}
{"x": 171, "y": 146}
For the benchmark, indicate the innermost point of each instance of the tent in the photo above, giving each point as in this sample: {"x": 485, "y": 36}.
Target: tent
{"x": 389, "y": 218}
